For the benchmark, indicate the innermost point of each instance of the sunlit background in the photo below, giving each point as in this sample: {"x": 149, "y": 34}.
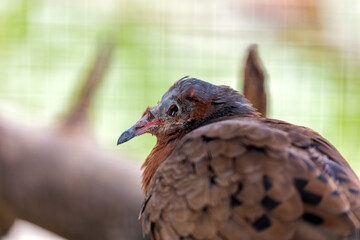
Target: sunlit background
{"x": 310, "y": 49}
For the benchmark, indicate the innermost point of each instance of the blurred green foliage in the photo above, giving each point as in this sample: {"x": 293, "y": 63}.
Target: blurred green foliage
{"x": 46, "y": 48}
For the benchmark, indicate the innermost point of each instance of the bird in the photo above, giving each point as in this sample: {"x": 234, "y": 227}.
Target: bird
{"x": 221, "y": 171}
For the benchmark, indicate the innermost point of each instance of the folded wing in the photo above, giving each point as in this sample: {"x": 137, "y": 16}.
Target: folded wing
{"x": 244, "y": 179}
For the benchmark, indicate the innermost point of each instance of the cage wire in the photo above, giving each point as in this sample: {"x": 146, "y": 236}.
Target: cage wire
{"x": 310, "y": 50}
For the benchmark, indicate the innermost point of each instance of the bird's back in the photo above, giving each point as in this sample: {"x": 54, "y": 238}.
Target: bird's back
{"x": 251, "y": 180}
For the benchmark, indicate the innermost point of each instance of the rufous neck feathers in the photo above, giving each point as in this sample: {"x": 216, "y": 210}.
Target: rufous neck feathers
{"x": 158, "y": 154}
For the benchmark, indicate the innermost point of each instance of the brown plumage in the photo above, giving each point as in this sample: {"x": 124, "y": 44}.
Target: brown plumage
{"x": 219, "y": 171}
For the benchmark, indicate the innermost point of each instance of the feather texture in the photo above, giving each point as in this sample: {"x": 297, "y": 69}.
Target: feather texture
{"x": 253, "y": 179}
{"x": 219, "y": 171}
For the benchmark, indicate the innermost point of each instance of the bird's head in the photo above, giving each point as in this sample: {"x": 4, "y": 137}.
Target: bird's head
{"x": 188, "y": 104}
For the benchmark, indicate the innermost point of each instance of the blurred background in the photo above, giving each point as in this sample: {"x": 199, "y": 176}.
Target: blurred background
{"x": 310, "y": 49}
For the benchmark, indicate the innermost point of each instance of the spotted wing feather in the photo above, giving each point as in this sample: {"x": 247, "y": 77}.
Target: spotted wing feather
{"x": 242, "y": 179}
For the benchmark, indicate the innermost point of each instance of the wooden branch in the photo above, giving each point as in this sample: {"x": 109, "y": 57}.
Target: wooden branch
{"x": 65, "y": 182}
{"x": 72, "y": 188}
{"x": 7, "y": 218}
{"x": 254, "y": 78}
{"x": 78, "y": 114}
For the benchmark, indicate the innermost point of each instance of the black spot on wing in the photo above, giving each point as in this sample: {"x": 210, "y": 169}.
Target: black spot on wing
{"x": 300, "y": 183}
{"x": 152, "y": 230}
{"x": 234, "y": 202}
{"x": 269, "y": 203}
{"x": 206, "y": 139}
{"x": 306, "y": 196}
{"x": 239, "y": 188}
{"x": 267, "y": 183}
{"x": 310, "y": 198}
{"x": 256, "y": 149}
{"x": 261, "y": 223}
{"x": 313, "y": 219}
{"x": 212, "y": 181}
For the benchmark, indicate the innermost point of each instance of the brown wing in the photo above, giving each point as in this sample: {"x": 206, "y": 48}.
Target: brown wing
{"x": 240, "y": 179}
{"x": 326, "y": 158}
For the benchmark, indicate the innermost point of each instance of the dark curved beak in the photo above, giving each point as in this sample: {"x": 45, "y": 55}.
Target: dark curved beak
{"x": 142, "y": 126}
{"x": 127, "y": 135}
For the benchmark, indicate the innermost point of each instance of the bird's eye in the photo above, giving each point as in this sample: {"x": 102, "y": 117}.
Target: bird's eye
{"x": 172, "y": 110}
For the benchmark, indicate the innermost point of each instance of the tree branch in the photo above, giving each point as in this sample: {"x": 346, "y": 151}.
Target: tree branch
{"x": 65, "y": 182}
{"x": 78, "y": 114}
